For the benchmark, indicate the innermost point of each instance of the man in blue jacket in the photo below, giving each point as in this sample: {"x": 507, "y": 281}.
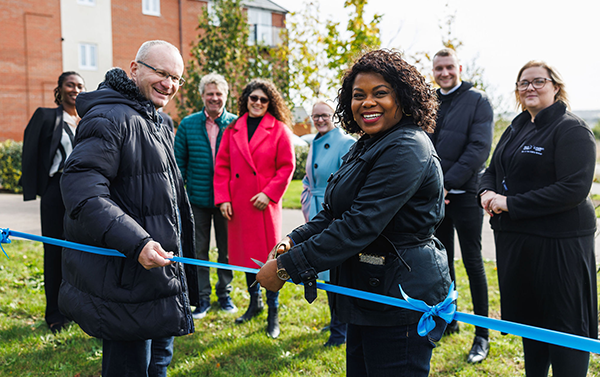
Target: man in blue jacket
{"x": 463, "y": 139}
{"x": 196, "y": 145}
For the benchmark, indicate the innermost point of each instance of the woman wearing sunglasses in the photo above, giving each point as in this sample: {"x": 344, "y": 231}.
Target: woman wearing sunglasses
{"x": 536, "y": 191}
{"x": 254, "y": 167}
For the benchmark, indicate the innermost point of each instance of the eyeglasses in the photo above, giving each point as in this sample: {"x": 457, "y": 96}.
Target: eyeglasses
{"x": 538, "y": 83}
{"x": 164, "y": 74}
{"x": 316, "y": 117}
{"x": 263, "y": 100}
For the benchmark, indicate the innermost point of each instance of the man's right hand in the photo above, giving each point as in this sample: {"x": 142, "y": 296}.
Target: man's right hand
{"x": 153, "y": 255}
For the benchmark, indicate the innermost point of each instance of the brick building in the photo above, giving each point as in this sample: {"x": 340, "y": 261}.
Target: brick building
{"x": 41, "y": 39}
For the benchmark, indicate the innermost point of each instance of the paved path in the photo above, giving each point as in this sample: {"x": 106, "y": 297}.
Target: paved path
{"x": 23, "y": 216}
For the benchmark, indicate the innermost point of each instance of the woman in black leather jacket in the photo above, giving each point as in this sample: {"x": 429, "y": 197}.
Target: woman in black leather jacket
{"x": 381, "y": 210}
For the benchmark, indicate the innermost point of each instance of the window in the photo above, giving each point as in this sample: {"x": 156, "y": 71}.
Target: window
{"x": 88, "y": 58}
{"x": 151, "y": 7}
{"x": 90, "y": 3}
{"x": 212, "y": 14}
{"x": 260, "y": 26}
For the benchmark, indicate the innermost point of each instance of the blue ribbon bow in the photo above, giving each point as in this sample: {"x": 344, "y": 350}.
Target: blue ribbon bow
{"x": 4, "y": 233}
{"x": 445, "y": 310}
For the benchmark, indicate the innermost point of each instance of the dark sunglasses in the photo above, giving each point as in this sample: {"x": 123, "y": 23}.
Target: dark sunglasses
{"x": 263, "y": 100}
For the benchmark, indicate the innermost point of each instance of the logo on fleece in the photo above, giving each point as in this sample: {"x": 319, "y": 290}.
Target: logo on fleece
{"x": 533, "y": 149}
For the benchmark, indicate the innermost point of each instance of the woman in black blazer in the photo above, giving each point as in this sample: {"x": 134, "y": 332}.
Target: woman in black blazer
{"x": 47, "y": 142}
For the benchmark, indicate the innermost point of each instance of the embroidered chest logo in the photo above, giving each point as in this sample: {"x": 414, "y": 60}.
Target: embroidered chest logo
{"x": 533, "y": 150}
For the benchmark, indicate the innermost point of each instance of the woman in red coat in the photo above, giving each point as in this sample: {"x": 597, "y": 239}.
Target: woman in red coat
{"x": 254, "y": 167}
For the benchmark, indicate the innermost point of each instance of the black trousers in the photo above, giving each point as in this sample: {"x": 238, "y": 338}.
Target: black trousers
{"x": 202, "y": 220}
{"x": 52, "y": 213}
{"x": 549, "y": 283}
{"x": 464, "y": 214}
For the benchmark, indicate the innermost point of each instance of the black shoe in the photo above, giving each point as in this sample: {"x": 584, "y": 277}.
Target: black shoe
{"x": 479, "y": 351}
{"x": 452, "y": 328}
{"x": 58, "y": 326}
{"x": 255, "y": 307}
{"x": 273, "y": 323}
{"x": 331, "y": 343}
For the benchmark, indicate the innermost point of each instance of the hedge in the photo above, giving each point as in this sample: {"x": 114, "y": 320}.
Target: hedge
{"x": 10, "y": 165}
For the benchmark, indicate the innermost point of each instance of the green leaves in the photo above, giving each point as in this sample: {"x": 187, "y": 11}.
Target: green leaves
{"x": 319, "y": 53}
{"x": 223, "y": 47}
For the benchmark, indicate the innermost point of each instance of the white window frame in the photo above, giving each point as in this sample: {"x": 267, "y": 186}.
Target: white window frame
{"x": 151, "y": 7}
{"x": 89, "y": 3}
{"x": 87, "y": 56}
{"x": 261, "y": 22}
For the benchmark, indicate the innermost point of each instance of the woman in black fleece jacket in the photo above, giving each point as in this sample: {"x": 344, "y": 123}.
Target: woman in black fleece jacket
{"x": 537, "y": 191}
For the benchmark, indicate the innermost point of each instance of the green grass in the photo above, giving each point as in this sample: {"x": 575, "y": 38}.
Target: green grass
{"x": 291, "y": 198}
{"x": 219, "y": 347}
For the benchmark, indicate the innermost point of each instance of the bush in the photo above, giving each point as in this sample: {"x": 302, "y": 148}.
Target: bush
{"x": 10, "y": 165}
{"x": 301, "y": 154}
{"x": 596, "y": 130}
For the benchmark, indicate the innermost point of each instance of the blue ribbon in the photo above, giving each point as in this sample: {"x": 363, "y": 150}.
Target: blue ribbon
{"x": 445, "y": 310}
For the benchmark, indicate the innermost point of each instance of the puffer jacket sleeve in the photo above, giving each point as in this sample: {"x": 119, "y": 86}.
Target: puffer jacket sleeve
{"x": 85, "y": 185}
{"x": 181, "y": 149}
{"x": 476, "y": 150}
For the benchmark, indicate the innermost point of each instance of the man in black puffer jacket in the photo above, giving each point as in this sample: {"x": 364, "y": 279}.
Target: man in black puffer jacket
{"x": 122, "y": 190}
{"x": 463, "y": 138}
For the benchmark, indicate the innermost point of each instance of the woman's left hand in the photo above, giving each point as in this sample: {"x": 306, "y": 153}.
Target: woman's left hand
{"x": 498, "y": 204}
{"x": 267, "y": 276}
{"x": 260, "y": 201}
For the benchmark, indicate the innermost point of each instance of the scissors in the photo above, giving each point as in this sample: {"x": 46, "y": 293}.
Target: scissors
{"x": 260, "y": 264}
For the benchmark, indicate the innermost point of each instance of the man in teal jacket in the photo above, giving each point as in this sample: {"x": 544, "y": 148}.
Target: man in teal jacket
{"x": 196, "y": 145}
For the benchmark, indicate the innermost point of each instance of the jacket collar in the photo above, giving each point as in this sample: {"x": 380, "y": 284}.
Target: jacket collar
{"x": 220, "y": 121}
{"x": 544, "y": 117}
{"x": 117, "y": 88}
{"x": 240, "y": 135}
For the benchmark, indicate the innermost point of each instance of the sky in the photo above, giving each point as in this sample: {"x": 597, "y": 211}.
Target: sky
{"x": 500, "y": 36}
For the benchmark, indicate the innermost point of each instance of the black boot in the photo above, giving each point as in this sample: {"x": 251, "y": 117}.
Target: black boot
{"x": 255, "y": 307}
{"x": 273, "y": 323}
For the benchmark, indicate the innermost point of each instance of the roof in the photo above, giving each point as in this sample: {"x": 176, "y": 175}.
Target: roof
{"x": 265, "y": 4}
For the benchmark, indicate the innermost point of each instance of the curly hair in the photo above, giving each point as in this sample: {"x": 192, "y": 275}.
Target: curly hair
{"x": 414, "y": 95}
{"x": 277, "y": 106}
{"x": 61, "y": 81}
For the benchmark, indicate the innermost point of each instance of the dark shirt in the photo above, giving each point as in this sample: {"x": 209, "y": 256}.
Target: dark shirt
{"x": 252, "y": 124}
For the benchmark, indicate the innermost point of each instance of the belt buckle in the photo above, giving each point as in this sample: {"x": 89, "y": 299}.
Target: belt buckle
{"x": 376, "y": 260}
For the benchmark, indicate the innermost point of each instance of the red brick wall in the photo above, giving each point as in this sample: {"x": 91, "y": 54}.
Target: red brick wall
{"x": 30, "y": 61}
{"x": 278, "y": 19}
{"x": 131, "y": 28}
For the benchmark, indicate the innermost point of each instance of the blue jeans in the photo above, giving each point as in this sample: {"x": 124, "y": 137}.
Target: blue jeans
{"x": 139, "y": 358}
{"x": 381, "y": 351}
{"x": 272, "y": 297}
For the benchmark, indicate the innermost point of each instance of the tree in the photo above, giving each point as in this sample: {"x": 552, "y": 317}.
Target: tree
{"x": 319, "y": 55}
{"x": 223, "y": 47}
{"x": 308, "y": 60}
{"x": 471, "y": 72}
{"x": 363, "y": 36}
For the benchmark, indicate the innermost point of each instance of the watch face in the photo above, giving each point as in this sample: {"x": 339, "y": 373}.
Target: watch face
{"x": 283, "y": 275}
